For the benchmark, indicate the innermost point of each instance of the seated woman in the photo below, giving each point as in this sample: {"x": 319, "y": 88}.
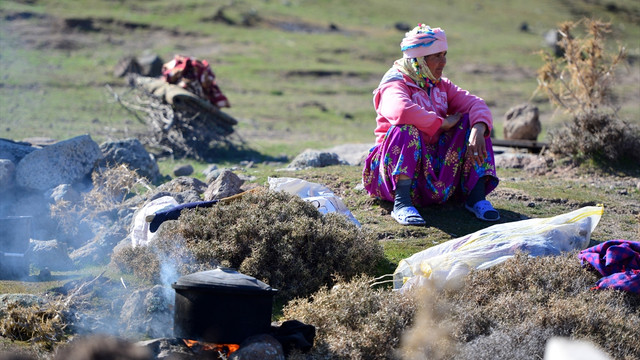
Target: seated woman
{"x": 432, "y": 137}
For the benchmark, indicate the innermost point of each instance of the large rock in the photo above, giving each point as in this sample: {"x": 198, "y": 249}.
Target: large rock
{"x": 227, "y": 184}
{"x": 184, "y": 189}
{"x": 98, "y": 250}
{"x": 353, "y": 154}
{"x": 314, "y": 158}
{"x": 14, "y": 151}
{"x": 259, "y": 347}
{"x": 522, "y": 122}
{"x": 132, "y": 153}
{"x": 148, "y": 312}
{"x": 65, "y": 162}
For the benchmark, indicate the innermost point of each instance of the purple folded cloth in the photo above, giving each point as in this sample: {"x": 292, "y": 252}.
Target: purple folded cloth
{"x": 618, "y": 261}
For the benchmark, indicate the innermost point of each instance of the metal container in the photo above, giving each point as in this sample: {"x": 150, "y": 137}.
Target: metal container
{"x": 15, "y": 235}
{"x": 221, "y": 306}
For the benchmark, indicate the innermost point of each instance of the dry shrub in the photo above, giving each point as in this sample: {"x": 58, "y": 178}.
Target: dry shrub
{"x": 111, "y": 186}
{"x": 140, "y": 261}
{"x": 512, "y": 310}
{"x": 354, "y": 320}
{"x": 159, "y": 262}
{"x": 599, "y": 136}
{"x": 41, "y": 324}
{"x": 273, "y": 236}
{"x": 580, "y": 83}
{"x": 509, "y": 311}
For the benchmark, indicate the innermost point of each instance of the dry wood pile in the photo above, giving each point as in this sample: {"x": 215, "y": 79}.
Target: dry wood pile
{"x": 180, "y": 123}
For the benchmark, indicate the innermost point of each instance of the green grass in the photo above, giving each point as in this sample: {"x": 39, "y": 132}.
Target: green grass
{"x": 60, "y": 93}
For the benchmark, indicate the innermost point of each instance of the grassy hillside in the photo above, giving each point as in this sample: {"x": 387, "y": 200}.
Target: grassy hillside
{"x": 298, "y": 73}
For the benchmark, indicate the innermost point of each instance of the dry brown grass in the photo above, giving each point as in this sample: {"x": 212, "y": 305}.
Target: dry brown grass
{"x": 509, "y": 311}
{"x": 110, "y": 187}
{"x": 514, "y": 308}
{"x": 44, "y": 325}
{"x": 354, "y": 320}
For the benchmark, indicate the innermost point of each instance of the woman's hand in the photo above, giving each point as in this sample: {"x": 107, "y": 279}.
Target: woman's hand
{"x": 450, "y": 121}
{"x": 477, "y": 148}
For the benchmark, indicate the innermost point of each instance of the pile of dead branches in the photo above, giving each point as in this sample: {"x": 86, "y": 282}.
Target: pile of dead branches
{"x": 180, "y": 123}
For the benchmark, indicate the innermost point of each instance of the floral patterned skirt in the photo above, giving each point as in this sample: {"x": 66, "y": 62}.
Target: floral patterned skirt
{"x": 439, "y": 171}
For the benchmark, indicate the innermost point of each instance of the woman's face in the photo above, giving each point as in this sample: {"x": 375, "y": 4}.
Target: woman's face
{"x": 436, "y": 63}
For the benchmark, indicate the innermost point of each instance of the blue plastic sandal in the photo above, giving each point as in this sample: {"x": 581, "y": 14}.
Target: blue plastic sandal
{"x": 483, "y": 208}
{"x": 408, "y": 216}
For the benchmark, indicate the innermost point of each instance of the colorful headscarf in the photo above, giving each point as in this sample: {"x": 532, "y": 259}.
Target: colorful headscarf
{"x": 417, "y": 70}
{"x": 422, "y": 41}
{"x": 418, "y": 43}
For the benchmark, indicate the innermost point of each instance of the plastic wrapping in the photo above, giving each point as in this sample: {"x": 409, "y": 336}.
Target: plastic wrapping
{"x": 446, "y": 264}
{"x": 319, "y": 195}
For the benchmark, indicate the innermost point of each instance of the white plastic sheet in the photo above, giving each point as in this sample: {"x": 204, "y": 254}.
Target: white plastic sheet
{"x": 319, "y": 195}
{"x": 140, "y": 233}
{"x": 446, "y": 264}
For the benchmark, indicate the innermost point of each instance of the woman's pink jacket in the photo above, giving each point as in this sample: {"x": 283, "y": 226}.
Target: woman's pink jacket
{"x": 399, "y": 101}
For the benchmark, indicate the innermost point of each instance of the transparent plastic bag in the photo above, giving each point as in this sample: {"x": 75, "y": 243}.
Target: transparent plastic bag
{"x": 319, "y": 195}
{"x": 446, "y": 264}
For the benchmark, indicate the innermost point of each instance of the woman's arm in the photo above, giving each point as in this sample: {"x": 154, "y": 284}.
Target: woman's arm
{"x": 461, "y": 101}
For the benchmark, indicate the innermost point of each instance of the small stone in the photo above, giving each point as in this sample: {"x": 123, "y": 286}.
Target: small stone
{"x": 531, "y": 204}
{"x": 183, "y": 170}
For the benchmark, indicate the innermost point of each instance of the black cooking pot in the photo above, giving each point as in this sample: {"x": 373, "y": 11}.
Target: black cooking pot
{"x": 221, "y": 306}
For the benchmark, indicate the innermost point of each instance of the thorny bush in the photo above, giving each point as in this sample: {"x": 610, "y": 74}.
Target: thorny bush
{"x": 580, "y": 83}
{"x": 354, "y": 320}
{"x": 513, "y": 309}
{"x": 275, "y": 237}
{"x": 509, "y": 311}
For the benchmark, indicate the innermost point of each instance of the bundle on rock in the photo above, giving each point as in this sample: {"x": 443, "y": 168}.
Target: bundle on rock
{"x": 181, "y": 108}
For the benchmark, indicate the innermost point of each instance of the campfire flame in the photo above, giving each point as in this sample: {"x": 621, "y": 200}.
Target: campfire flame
{"x": 226, "y": 349}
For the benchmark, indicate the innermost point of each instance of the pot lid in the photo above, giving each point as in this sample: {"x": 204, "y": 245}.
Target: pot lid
{"x": 223, "y": 279}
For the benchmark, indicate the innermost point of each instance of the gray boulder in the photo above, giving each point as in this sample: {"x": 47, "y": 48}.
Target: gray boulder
{"x": 183, "y": 170}
{"x": 227, "y": 184}
{"x": 131, "y": 153}
{"x": 148, "y": 312}
{"x": 98, "y": 250}
{"x": 184, "y": 189}
{"x": 65, "y": 162}
{"x": 522, "y": 122}
{"x": 314, "y": 158}
{"x": 353, "y": 154}
{"x": 259, "y": 347}
{"x": 14, "y": 151}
